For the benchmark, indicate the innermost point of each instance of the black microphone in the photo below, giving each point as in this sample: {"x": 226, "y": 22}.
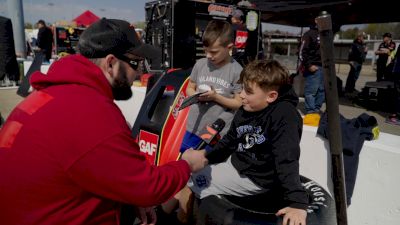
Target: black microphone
{"x": 210, "y": 135}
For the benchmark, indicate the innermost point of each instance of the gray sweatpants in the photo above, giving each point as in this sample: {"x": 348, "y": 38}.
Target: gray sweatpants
{"x": 222, "y": 179}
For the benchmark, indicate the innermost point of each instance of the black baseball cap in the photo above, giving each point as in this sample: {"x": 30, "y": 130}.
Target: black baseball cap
{"x": 113, "y": 36}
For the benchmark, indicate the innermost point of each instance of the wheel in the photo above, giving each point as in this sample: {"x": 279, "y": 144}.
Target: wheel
{"x": 227, "y": 210}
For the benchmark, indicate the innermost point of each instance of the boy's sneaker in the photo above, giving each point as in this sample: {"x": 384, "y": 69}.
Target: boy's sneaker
{"x": 393, "y": 119}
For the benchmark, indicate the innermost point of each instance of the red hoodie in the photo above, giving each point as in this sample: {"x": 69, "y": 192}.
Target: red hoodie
{"x": 67, "y": 157}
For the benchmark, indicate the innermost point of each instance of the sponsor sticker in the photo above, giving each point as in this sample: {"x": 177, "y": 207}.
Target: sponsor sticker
{"x": 148, "y": 143}
{"x": 219, "y": 10}
{"x": 241, "y": 39}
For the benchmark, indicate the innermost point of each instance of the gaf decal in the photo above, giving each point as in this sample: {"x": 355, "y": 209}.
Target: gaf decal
{"x": 148, "y": 143}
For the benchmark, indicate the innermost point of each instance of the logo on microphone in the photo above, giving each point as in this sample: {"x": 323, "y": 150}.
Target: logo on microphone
{"x": 210, "y": 134}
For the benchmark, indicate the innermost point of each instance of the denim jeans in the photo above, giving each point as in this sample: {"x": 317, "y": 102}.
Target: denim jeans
{"x": 314, "y": 91}
{"x": 354, "y": 73}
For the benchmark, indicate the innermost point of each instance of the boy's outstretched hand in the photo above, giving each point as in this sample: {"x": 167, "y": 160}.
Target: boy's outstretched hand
{"x": 292, "y": 216}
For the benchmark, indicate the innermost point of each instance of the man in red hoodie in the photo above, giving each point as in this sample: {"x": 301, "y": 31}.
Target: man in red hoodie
{"x": 66, "y": 153}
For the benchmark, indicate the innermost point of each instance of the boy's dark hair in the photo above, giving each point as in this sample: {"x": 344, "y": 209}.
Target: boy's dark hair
{"x": 268, "y": 74}
{"x": 218, "y": 29}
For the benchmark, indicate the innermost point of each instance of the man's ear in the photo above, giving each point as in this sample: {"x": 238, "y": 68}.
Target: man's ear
{"x": 109, "y": 63}
{"x": 272, "y": 96}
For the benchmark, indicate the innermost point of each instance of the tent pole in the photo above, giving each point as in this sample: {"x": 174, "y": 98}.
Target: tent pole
{"x": 324, "y": 23}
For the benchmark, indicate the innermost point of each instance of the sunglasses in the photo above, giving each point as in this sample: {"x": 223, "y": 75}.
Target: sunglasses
{"x": 133, "y": 63}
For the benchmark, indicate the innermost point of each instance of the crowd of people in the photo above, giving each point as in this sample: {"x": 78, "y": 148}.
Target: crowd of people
{"x": 70, "y": 157}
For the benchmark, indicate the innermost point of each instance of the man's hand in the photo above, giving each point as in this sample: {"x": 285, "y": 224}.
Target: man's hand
{"x": 195, "y": 158}
{"x": 313, "y": 68}
{"x": 147, "y": 215}
{"x": 292, "y": 216}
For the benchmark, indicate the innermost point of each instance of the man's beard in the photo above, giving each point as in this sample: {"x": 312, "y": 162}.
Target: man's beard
{"x": 121, "y": 88}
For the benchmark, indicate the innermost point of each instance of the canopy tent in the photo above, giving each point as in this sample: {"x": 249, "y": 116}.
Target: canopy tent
{"x": 86, "y": 18}
{"x": 301, "y": 13}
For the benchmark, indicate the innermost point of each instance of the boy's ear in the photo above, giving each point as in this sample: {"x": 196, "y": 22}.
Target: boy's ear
{"x": 272, "y": 96}
{"x": 230, "y": 45}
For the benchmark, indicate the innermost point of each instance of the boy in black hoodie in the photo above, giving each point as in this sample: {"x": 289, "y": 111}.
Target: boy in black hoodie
{"x": 260, "y": 153}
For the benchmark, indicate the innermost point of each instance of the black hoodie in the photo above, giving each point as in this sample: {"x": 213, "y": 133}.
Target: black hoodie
{"x": 265, "y": 147}
{"x": 310, "y": 53}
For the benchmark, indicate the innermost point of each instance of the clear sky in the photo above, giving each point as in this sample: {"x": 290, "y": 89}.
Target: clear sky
{"x": 54, "y": 10}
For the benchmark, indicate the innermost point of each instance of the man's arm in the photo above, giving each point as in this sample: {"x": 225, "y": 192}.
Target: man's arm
{"x": 304, "y": 51}
{"x": 382, "y": 50}
{"x": 40, "y": 38}
{"x": 117, "y": 170}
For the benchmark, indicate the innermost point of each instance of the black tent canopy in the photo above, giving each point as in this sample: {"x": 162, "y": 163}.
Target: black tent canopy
{"x": 301, "y": 13}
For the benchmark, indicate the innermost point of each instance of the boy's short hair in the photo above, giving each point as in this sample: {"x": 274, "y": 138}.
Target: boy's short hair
{"x": 218, "y": 29}
{"x": 268, "y": 74}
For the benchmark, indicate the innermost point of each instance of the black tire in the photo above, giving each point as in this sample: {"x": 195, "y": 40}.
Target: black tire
{"x": 219, "y": 210}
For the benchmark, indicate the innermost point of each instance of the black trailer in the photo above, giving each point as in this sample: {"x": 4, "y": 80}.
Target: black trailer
{"x": 176, "y": 27}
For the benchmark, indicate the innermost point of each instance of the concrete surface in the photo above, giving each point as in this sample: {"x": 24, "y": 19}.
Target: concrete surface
{"x": 9, "y": 99}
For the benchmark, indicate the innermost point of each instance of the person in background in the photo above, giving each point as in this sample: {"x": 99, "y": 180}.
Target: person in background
{"x": 240, "y": 37}
{"x": 66, "y": 151}
{"x": 9, "y": 69}
{"x": 45, "y": 40}
{"x": 1, "y": 120}
{"x": 314, "y": 91}
{"x": 357, "y": 54}
{"x": 384, "y": 51}
{"x": 394, "y": 118}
